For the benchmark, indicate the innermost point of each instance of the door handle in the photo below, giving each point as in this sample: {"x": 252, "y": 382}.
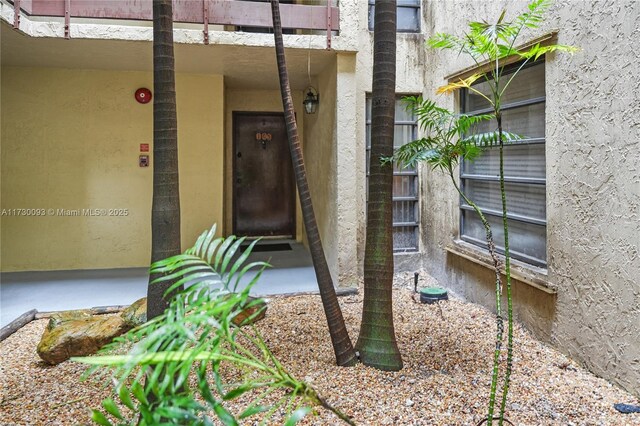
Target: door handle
{"x": 239, "y": 154}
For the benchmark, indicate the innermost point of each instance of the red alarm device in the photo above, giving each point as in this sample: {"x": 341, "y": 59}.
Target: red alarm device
{"x": 143, "y": 95}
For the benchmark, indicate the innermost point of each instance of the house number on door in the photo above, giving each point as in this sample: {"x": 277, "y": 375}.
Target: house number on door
{"x": 263, "y": 138}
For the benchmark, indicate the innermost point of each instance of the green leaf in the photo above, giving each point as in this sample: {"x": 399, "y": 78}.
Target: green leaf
{"x": 112, "y": 408}
{"x": 225, "y": 416}
{"x": 234, "y": 393}
{"x": 297, "y": 415}
{"x": 138, "y": 392}
{"x": 253, "y": 410}
{"x": 175, "y": 413}
{"x": 125, "y": 397}
{"x": 100, "y": 418}
{"x": 221, "y": 251}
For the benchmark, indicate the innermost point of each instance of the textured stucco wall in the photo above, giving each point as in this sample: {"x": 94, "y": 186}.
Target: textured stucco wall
{"x": 593, "y": 130}
{"x": 70, "y": 140}
{"x": 320, "y": 154}
{"x": 593, "y": 185}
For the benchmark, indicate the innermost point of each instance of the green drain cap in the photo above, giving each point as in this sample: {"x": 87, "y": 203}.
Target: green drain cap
{"x": 433, "y": 294}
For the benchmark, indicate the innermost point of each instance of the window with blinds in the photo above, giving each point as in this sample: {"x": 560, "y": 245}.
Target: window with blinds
{"x": 405, "y": 181}
{"x": 407, "y": 16}
{"x": 523, "y": 107}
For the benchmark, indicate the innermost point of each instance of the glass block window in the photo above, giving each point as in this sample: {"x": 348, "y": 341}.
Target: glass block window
{"x": 408, "y": 16}
{"x": 524, "y": 166}
{"x": 405, "y": 181}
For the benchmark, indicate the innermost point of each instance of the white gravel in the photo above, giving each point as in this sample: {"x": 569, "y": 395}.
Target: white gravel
{"x": 445, "y": 381}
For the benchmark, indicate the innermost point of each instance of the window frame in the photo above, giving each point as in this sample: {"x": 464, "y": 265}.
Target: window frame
{"x": 465, "y": 177}
{"x": 406, "y": 173}
{"x": 401, "y": 4}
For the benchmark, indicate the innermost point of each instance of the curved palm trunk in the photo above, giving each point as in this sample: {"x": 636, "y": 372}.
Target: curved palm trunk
{"x": 165, "y": 215}
{"x": 507, "y": 267}
{"x": 499, "y": 319}
{"x": 345, "y": 354}
{"x": 377, "y": 342}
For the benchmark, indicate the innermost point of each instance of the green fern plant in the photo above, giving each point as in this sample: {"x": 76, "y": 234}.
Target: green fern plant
{"x": 488, "y": 45}
{"x": 172, "y": 371}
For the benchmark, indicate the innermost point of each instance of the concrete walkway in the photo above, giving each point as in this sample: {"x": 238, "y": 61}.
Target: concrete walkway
{"x": 291, "y": 272}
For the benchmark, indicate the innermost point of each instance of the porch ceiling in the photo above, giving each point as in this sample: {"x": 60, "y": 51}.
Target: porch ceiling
{"x": 243, "y": 66}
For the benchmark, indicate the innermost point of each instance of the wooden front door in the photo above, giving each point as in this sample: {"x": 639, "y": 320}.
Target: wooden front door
{"x": 263, "y": 184}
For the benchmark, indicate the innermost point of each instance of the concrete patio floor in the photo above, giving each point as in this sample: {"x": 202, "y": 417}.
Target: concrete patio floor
{"x": 291, "y": 272}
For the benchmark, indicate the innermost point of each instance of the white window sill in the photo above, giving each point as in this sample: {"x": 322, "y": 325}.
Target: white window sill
{"x": 520, "y": 271}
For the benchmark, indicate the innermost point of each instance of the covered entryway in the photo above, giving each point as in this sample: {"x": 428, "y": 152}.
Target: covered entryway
{"x": 263, "y": 184}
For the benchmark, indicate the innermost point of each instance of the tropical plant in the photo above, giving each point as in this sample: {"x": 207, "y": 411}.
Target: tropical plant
{"x": 489, "y": 45}
{"x": 342, "y": 346}
{"x": 193, "y": 358}
{"x": 165, "y": 210}
{"x": 377, "y": 342}
{"x": 448, "y": 143}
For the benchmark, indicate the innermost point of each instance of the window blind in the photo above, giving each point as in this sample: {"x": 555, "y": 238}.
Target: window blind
{"x": 407, "y": 15}
{"x": 524, "y": 168}
{"x": 405, "y": 181}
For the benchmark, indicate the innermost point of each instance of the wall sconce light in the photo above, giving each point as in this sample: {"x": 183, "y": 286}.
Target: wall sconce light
{"x": 311, "y": 101}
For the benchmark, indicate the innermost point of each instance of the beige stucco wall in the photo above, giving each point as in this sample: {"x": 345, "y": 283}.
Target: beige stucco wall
{"x": 331, "y": 153}
{"x": 70, "y": 140}
{"x": 593, "y": 186}
{"x": 593, "y": 130}
{"x": 254, "y": 101}
{"x": 320, "y": 160}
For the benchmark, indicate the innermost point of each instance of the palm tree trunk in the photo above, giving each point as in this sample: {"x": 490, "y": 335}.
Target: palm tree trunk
{"x": 342, "y": 346}
{"x": 165, "y": 215}
{"x": 491, "y": 246}
{"x": 507, "y": 267}
{"x": 377, "y": 342}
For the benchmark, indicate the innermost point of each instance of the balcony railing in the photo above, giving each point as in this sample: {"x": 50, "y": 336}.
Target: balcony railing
{"x": 205, "y": 12}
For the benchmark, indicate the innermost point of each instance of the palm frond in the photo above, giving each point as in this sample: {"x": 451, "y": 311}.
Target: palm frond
{"x": 490, "y": 139}
{"x": 536, "y": 51}
{"x": 410, "y": 154}
{"x": 535, "y": 14}
{"x": 460, "y": 84}
{"x": 464, "y": 122}
{"x": 446, "y": 41}
{"x": 197, "y": 331}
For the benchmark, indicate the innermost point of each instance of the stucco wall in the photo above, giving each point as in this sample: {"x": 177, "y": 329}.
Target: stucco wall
{"x": 593, "y": 130}
{"x": 320, "y": 160}
{"x": 593, "y": 186}
{"x": 70, "y": 140}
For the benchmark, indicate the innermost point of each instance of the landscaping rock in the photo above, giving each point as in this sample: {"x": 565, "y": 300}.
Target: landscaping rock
{"x": 136, "y": 314}
{"x": 242, "y": 318}
{"x": 59, "y": 317}
{"x": 78, "y": 337}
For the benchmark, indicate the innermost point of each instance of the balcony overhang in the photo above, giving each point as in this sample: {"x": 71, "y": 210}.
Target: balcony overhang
{"x": 199, "y": 12}
{"x": 245, "y": 67}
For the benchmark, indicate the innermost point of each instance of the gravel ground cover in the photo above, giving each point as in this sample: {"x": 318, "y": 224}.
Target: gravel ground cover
{"x": 445, "y": 380}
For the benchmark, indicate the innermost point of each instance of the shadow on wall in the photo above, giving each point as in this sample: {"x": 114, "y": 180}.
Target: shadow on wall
{"x": 532, "y": 307}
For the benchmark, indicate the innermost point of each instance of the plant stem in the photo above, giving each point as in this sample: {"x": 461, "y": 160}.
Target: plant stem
{"x": 499, "y": 320}
{"x": 329, "y": 407}
{"x": 507, "y": 267}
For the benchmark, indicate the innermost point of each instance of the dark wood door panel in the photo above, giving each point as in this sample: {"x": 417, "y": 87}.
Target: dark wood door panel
{"x": 263, "y": 185}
